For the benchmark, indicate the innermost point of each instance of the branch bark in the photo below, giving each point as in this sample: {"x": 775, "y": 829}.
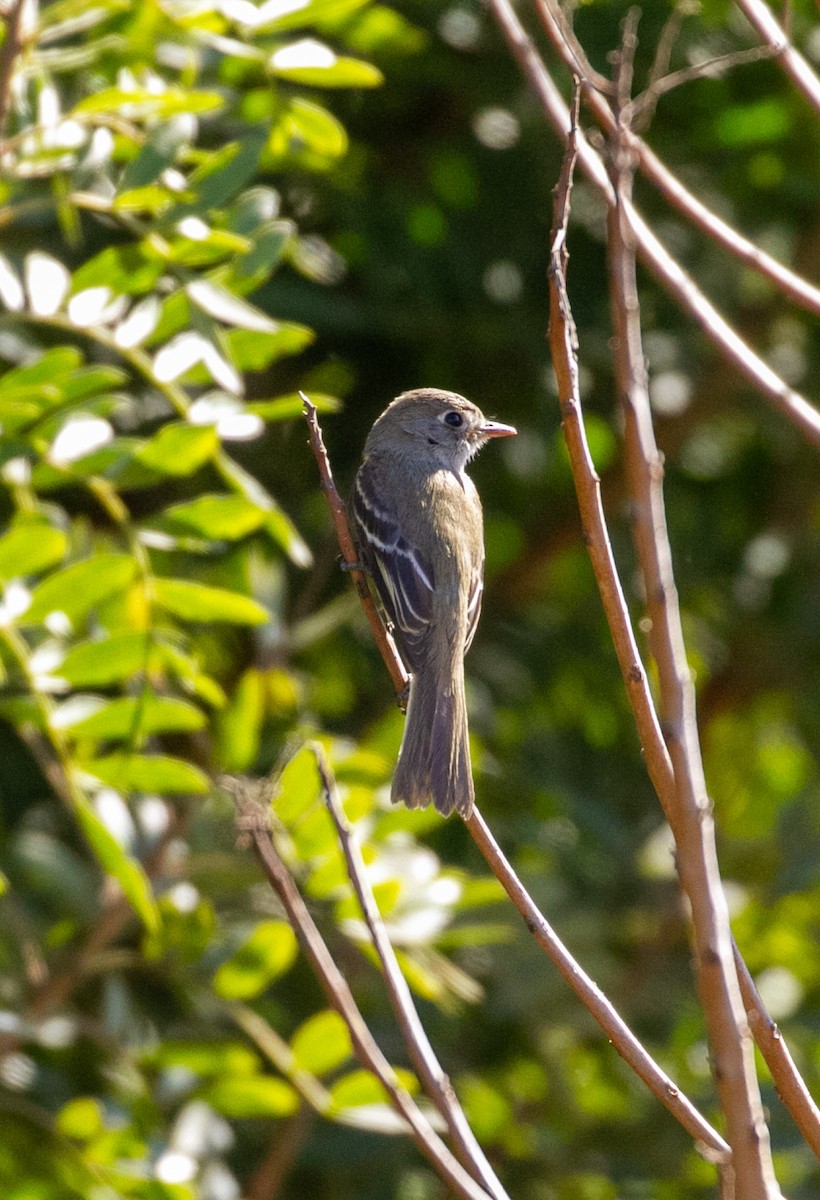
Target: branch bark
{"x": 729, "y": 1034}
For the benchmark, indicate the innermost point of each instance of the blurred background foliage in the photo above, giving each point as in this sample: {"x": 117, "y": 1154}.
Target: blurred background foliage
{"x": 207, "y": 206}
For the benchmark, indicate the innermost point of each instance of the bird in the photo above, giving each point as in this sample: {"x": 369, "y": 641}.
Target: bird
{"x": 418, "y": 524}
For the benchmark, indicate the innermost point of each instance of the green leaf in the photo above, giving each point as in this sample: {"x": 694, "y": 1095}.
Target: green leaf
{"x": 297, "y": 788}
{"x": 179, "y": 448}
{"x": 129, "y": 715}
{"x": 139, "y": 102}
{"x": 360, "y": 1089}
{"x": 130, "y": 269}
{"x": 200, "y": 602}
{"x": 253, "y": 351}
{"x": 29, "y": 547}
{"x": 223, "y": 306}
{"x": 205, "y": 1058}
{"x": 116, "y": 863}
{"x": 252, "y": 1096}
{"x": 290, "y": 407}
{"x": 268, "y": 953}
{"x": 76, "y": 589}
{"x": 301, "y": 126}
{"x": 308, "y": 14}
{"x": 111, "y": 660}
{"x": 147, "y": 773}
{"x": 159, "y": 151}
{"x": 239, "y": 727}
{"x": 223, "y": 518}
{"x": 279, "y": 526}
{"x": 226, "y": 171}
{"x": 312, "y": 62}
{"x": 321, "y": 1043}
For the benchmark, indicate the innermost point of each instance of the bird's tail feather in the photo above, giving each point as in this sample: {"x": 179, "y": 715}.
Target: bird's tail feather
{"x": 434, "y": 760}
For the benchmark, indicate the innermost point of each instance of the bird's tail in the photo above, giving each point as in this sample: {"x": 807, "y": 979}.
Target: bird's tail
{"x": 434, "y": 760}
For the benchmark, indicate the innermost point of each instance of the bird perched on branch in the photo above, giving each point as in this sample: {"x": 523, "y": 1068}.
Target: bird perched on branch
{"x": 419, "y": 527}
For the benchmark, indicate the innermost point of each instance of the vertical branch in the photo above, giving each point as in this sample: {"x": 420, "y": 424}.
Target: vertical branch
{"x": 729, "y": 1034}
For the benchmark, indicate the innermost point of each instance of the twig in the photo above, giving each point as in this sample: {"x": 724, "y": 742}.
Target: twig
{"x": 791, "y": 1086}
{"x": 339, "y": 513}
{"x": 793, "y": 286}
{"x": 665, "y": 268}
{"x": 729, "y": 1034}
{"x": 436, "y": 1083}
{"x": 12, "y": 45}
{"x": 587, "y": 991}
{"x": 794, "y": 64}
{"x": 341, "y": 999}
{"x": 617, "y": 1031}
{"x": 283, "y": 1148}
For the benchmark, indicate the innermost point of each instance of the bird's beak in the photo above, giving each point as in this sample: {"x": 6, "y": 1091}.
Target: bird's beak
{"x": 494, "y": 429}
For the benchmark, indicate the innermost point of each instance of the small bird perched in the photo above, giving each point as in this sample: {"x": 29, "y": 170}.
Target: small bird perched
{"x": 420, "y": 531}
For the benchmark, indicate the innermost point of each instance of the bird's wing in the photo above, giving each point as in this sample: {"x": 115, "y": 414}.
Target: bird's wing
{"x": 403, "y": 575}
{"x": 474, "y": 602}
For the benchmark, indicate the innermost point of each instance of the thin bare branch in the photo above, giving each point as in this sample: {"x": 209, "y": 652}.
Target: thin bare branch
{"x": 794, "y": 64}
{"x": 654, "y": 255}
{"x": 341, "y": 999}
{"x": 729, "y": 1035}
{"x": 791, "y": 1086}
{"x": 708, "y": 1140}
{"x": 793, "y": 286}
{"x": 348, "y": 548}
{"x": 434, "y": 1080}
{"x": 646, "y": 103}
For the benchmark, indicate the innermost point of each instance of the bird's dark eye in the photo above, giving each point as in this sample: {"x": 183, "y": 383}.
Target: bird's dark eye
{"x": 453, "y": 419}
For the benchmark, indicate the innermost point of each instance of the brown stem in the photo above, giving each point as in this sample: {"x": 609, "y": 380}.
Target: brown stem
{"x": 729, "y": 1034}
{"x": 348, "y": 548}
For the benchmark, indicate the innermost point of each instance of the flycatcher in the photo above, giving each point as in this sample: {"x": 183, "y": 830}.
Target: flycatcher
{"x": 420, "y": 531}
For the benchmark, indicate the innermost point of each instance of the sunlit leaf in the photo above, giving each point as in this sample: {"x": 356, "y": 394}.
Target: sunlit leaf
{"x": 115, "y": 862}
{"x": 179, "y": 448}
{"x": 76, "y": 589}
{"x": 313, "y": 62}
{"x": 252, "y": 1096}
{"x": 226, "y": 518}
{"x": 47, "y": 282}
{"x": 321, "y": 1043}
{"x": 147, "y": 773}
{"x": 200, "y": 602}
{"x": 148, "y": 714}
{"x": 264, "y": 957}
{"x": 139, "y": 102}
{"x": 223, "y": 306}
{"x": 29, "y": 547}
